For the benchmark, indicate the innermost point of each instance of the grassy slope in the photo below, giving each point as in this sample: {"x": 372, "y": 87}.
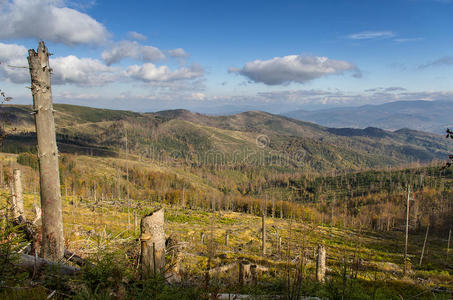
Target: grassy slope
{"x": 90, "y": 228}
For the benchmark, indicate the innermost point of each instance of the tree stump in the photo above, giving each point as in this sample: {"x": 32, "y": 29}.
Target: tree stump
{"x": 253, "y": 273}
{"x": 152, "y": 240}
{"x": 173, "y": 272}
{"x": 245, "y": 275}
{"x": 321, "y": 264}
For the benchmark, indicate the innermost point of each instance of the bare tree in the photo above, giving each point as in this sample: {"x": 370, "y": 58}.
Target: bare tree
{"x": 424, "y": 245}
{"x": 407, "y": 230}
{"x": 18, "y": 199}
{"x": 52, "y": 221}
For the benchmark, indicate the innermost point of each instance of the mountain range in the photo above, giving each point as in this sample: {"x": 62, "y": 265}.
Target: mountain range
{"x": 251, "y": 138}
{"x": 430, "y": 116}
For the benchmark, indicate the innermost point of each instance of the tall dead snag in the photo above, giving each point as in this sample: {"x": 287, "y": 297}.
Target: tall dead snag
{"x": 321, "y": 263}
{"x": 407, "y": 230}
{"x": 263, "y": 232}
{"x": 152, "y": 243}
{"x": 448, "y": 243}
{"x": 227, "y": 237}
{"x": 263, "y": 228}
{"x": 18, "y": 199}
{"x": 424, "y": 245}
{"x": 49, "y": 177}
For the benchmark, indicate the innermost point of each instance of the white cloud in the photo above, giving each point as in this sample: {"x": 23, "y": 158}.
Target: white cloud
{"x": 82, "y": 71}
{"x": 136, "y": 36}
{"x": 49, "y": 20}
{"x": 131, "y": 49}
{"x": 93, "y": 72}
{"x": 66, "y": 70}
{"x": 367, "y": 35}
{"x": 293, "y": 68}
{"x": 13, "y": 59}
{"x": 198, "y": 96}
{"x": 179, "y": 52}
{"x": 149, "y": 72}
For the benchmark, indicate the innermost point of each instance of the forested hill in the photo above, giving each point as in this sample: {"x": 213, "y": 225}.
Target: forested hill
{"x": 249, "y": 138}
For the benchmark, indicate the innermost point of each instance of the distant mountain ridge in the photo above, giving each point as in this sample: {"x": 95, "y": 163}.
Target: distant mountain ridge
{"x": 252, "y": 138}
{"x": 430, "y": 116}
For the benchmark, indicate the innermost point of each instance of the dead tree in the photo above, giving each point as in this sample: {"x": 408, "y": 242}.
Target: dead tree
{"x": 49, "y": 178}
{"x": 18, "y": 200}
{"x": 407, "y": 231}
{"x": 202, "y": 236}
{"x": 424, "y": 245}
{"x": 448, "y": 243}
{"x": 321, "y": 263}
{"x": 152, "y": 243}
{"x": 263, "y": 228}
{"x": 227, "y": 237}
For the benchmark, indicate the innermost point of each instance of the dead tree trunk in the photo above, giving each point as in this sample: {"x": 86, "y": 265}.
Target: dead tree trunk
{"x": 424, "y": 245}
{"x": 448, "y": 243}
{"x": 49, "y": 178}
{"x": 202, "y": 236}
{"x": 152, "y": 243}
{"x": 244, "y": 272}
{"x": 263, "y": 227}
{"x": 18, "y": 195}
{"x": 227, "y": 237}
{"x": 407, "y": 231}
{"x": 321, "y": 263}
{"x": 263, "y": 238}
{"x": 254, "y": 274}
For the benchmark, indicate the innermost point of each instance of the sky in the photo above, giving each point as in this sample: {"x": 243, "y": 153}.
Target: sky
{"x": 229, "y": 56}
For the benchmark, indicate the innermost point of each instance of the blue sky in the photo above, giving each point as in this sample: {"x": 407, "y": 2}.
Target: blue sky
{"x": 221, "y": 56}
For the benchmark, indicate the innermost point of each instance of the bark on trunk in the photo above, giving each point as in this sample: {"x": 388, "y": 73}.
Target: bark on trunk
{"x": 244, "y": 272}
{"x": 34, "y": 264}
{"x": 321, "y": 263}
{"x": 18, "y": 195}
{"x": 424, "y": 245}
{"x": 152, "y": 243}
{"x": 49, "y": 178}
{"x": 263, "y": 238}
{"x": 254, "y": 274}
{"x": 227, "y": 237}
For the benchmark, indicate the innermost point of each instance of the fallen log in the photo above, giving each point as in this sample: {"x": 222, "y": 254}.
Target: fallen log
{"x": 74, "y": 258}
{"x": 34, "y": 264}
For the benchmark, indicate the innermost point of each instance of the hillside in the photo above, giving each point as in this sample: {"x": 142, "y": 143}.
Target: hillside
{"x": 252, "y": 138}
{"x": 361, "y": 234}
{"x": 430, "y": 116}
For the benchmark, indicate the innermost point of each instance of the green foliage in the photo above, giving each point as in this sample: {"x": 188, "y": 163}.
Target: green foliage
{"x": 11, "y": 241}
{"x": 28, "y": 159}
{"x": 106, "y": 274}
